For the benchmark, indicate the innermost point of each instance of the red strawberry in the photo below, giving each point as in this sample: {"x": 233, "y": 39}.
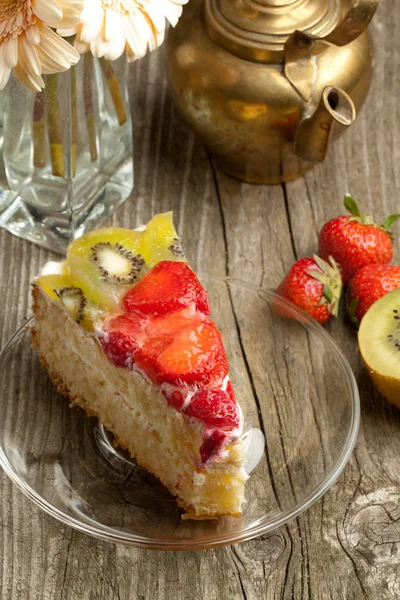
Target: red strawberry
{"x": 167, "y": 287}
{"x": 174, "y": 398}
{"x": 216, "y": 408}
{"x": 183, "y": 346}
{"x": 196, "y": 355}
{"x": 355, "y": 241}
{"x": 121, "y": 338}
{"x": 212, "y": 444}
{"x": 314, "y": 286}
{"x": 159, "y": 334}
{"x": 369, "y": 284}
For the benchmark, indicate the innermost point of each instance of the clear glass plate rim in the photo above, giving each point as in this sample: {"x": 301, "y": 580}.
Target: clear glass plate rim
{"x": 108, "y": 534}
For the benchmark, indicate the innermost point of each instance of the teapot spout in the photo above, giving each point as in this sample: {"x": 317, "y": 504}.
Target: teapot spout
{"x": 314, "y": 132}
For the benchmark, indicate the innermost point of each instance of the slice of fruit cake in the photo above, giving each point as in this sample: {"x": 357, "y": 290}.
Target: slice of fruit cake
{"x": 123, "y": 327}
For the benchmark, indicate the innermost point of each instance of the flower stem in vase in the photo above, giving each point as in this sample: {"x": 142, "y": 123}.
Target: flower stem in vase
{"x": 39, "y": 131}
{"x": 54, "y": 126}
{"x": 88, "y": 102}
{"x": 74, "y": 124}
{"x": 112, "y": 84}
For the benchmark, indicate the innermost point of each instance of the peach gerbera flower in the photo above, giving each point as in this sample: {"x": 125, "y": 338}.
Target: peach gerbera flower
{"x": 29, "y": 46}
{"x": 110, "y": 27}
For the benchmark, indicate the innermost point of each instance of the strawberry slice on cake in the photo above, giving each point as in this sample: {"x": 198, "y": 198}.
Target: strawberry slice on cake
{"x": 123, "y": 326}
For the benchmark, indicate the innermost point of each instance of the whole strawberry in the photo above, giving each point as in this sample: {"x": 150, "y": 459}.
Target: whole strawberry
{"x": 355, "y": 241}
{"x": 368, "y": 285}
{"x": 314, "y": 286}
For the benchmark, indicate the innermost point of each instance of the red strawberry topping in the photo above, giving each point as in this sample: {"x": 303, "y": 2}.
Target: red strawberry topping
{"x": 159, "y": 335}
{"x": 216, "y": 408}
{"x": 165, "y": 331}
{"x": 121, "y": 339}
{"x": 167, "y": 287}
{"x": 355, "y": 240}
{"x": 196, "y": 355}
{"x": 179, "y": 347}
{"x": 212, "y": 444}
{"x": 369, "y": 284}
{"x": 174, "y": 398}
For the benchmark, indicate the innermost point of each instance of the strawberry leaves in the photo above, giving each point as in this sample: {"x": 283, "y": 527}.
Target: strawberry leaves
{"x": 351, "y": 206}
{"x": 389, "y": 221}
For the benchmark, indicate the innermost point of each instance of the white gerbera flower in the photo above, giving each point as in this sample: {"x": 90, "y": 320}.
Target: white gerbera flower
{"x": 29, "y": 46}
{"x": 108, "y": 27}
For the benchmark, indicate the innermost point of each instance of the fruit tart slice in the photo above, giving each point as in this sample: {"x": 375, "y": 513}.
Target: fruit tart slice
{"x": 123, "y": 327}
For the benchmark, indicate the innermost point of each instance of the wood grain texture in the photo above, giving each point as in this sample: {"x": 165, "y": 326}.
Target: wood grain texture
{"x": 347, "y": 546}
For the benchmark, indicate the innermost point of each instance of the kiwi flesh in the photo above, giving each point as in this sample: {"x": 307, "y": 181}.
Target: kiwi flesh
{"x": 379, "y": 343}
{"x": 73, "y": 300}
{"x": 117, "y": 264}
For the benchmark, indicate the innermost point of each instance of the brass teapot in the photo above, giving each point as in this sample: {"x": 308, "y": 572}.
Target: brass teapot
{"x": 265, "y": 83}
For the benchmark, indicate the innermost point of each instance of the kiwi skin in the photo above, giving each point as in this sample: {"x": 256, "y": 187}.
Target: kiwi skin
{"x": 389, "y": 387}
{"x": 387, "y": 383}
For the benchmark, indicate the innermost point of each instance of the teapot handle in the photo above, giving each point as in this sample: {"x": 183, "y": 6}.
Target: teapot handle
{"x": 353, "y": 23}
{"x": 300, "y": 69}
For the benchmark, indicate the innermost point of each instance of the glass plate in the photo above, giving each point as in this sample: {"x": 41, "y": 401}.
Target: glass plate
{"x": 292, "y": 382}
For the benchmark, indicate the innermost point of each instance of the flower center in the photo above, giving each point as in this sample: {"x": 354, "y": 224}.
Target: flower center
{"x": 123, "y": 6}
{"x": 15, "y": 17}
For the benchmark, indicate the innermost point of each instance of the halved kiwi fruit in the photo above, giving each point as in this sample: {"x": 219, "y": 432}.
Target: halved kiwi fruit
{"x": 379, "y": 343}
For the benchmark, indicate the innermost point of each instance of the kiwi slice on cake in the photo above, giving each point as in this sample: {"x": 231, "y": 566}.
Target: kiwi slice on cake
{"x": 102, "y": 265}
{"x": 379, "y": 343}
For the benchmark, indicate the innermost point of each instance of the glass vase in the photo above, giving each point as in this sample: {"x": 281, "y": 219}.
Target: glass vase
{"x": 66, "y": 156}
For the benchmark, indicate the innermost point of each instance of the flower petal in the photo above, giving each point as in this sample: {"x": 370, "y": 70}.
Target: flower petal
{"x": 4, "y": 69}
{"x": 28, "y": 60}
{"x": 99, "y": 48}
{"x": 48, "y": 11}
{"x": 138, "y": 30}
{"x": 80, "y": 46}
{"x": 57, "y": 45}
{"x": 49, "y": 63}
{"x": 157, "y": 16}
{"x": 33, "y": 35}
{"x": 172, "y": 12}
{"x": 93, "y": 27}
{"x": 67, "y": 32}
{"x": 10, "y": 52}
{"x": 114, "y": 34}
{"x": 33, "y": 82}
{"x": 136, "y": 45}
{"x": 72, "y": 10}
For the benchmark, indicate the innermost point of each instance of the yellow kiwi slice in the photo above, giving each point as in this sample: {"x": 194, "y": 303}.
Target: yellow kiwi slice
{"x": 106, "y": 262}
{"x": 74, "y": 300}
{"x": 103, "y": 264}
{"x": 379, "y": 343}
{"x": 160, "y": 241}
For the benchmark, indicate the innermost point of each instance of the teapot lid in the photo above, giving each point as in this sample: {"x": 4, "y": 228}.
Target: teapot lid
{"x": 258, "y": 29}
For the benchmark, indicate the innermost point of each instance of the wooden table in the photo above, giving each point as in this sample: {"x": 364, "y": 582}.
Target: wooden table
{"x": 347, "y": 546}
